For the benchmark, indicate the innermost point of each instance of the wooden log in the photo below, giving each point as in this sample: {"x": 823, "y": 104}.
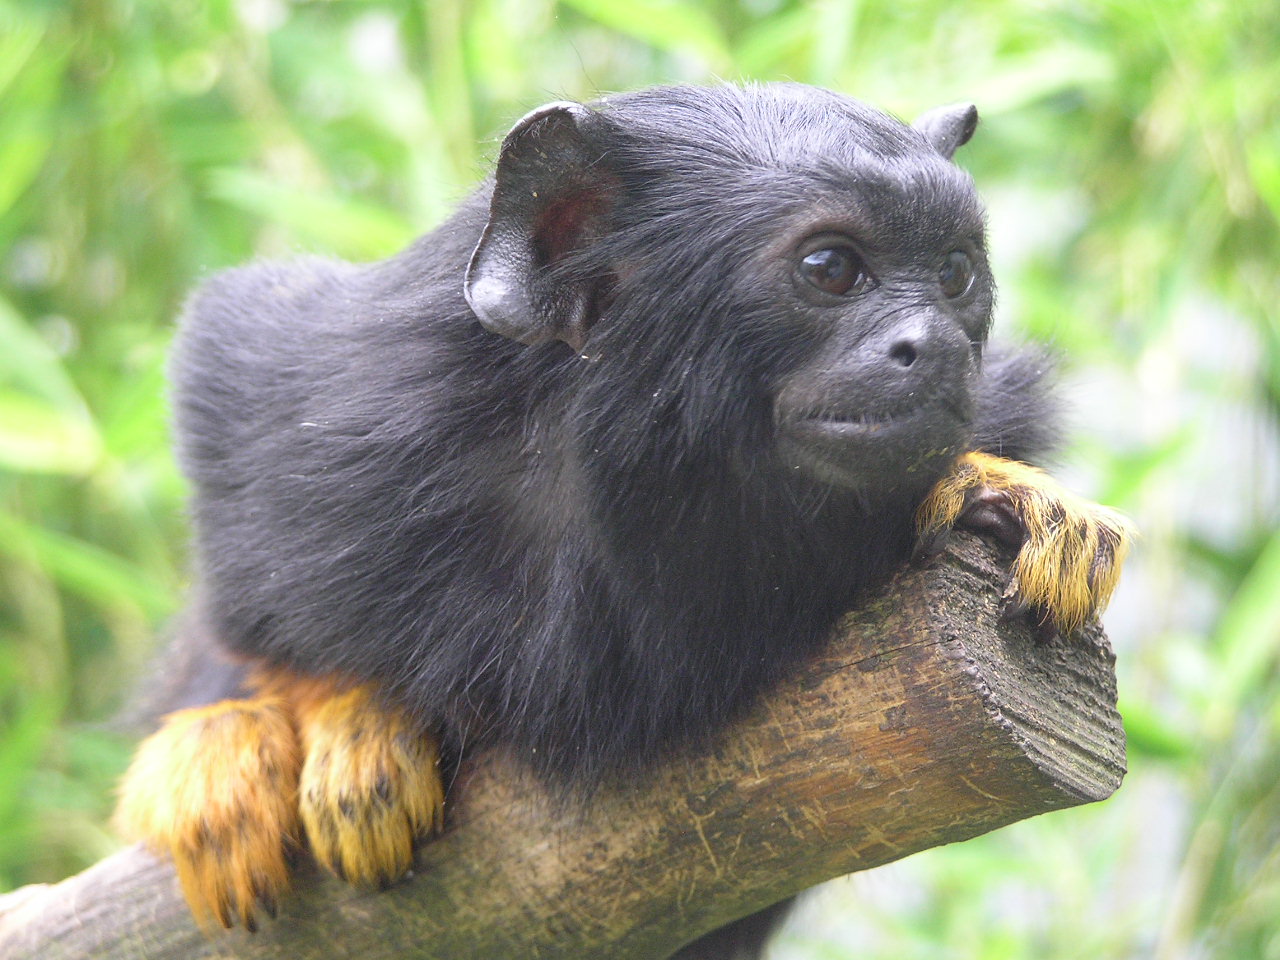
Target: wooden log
{"x": 925, "y": 721}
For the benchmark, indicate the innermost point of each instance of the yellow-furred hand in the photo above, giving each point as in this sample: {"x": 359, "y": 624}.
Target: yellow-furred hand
{"x": 1069, "y": 550}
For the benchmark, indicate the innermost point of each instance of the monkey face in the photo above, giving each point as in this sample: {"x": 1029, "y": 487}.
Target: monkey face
{"x": 899, "y": 314}
{"x": 786, "y": 280}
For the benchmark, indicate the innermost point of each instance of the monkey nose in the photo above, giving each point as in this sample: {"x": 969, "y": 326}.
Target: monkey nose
{"x": 918, "y": 355}
{"x": 904, "y": 352}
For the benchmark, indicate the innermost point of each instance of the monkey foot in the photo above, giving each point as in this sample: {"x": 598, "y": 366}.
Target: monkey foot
{"x": 216, "y": 788}
{"x": 370, "y": 786}
{"x": 1069, "y": 550}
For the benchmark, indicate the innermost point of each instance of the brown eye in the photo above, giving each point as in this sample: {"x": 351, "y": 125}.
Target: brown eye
{"x": 837, "y": 270}
{"x": 956, "y": 274}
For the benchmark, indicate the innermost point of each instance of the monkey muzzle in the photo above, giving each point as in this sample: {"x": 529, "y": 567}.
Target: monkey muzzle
{"x": 896, "y": 406}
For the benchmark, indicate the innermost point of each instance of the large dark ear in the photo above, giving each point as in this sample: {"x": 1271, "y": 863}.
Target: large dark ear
{"x": 949, "y": 128}
{"x": 551, "y": 193}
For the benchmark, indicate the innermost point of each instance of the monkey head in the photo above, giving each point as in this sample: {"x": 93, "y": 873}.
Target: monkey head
{"x": 777, "y": 282}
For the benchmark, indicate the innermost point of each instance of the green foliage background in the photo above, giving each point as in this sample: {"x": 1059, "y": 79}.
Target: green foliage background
{"x": 1130, "y": 154}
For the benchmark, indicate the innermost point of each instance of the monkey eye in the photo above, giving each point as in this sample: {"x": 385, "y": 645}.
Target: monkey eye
{"x": 956, "y": 274}
{"x": 836, "y": 269}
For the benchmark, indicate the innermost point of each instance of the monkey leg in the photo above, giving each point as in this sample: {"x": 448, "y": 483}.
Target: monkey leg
{"x": 1069, "y": 550}
{"x": 370, "y": 782}
{"x": 216, "y": 788}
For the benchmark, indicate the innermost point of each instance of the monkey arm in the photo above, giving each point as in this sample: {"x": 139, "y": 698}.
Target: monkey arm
{"x": 928, "y": 719}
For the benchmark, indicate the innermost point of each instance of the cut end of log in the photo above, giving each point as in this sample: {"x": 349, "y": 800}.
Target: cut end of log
{"x": 1055, "y": 697}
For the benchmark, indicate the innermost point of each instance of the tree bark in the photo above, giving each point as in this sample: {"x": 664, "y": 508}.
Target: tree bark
{"x": 925, "y": 721}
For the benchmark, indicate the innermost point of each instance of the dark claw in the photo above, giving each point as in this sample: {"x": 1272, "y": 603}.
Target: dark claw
{"x": 930, "y": 546}
{"x": 1042, "y": 625}
{"x": 1014, "y": 608}
{"x": 250, "y": 923}
{"x": 1046, "y": 630}
{"x": 269, "y": 905}
{"x": 223, "y": 912}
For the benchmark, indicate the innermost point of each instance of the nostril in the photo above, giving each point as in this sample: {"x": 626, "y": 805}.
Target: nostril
{"x": 903, "y": 353}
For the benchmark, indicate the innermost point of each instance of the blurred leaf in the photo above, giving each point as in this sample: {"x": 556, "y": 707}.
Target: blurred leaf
{"x": 23, "y": 148}
{"x": 681, "y": 28}
{"x": 1264, "y": 166}
{"x": 1151, "y": 734}
{"x": 1020, "y": 80}
{"x": 765, "y": 44}
{"x": 347, "y": 227}
{"x": 94, "y": 573}
{"x": 1132, "y": 469}
{"x": 19, "y": 40}
{"x": 28, "y": 722}
{"x": 36, "y": 437}
{"x": 1247, "y": 638}
{"x": 136, "y": 418}
{"x": 29, "y": 362}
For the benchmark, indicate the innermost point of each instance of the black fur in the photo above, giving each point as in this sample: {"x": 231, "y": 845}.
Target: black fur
{"x": 594, "y": 555}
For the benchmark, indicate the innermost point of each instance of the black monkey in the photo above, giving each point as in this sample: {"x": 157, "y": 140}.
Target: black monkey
{"x": 585, "y": 469}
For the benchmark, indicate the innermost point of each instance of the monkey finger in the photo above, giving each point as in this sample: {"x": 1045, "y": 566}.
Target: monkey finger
{"x": 215, "y": 788}
{"x": 993, "y": 513}
{"x": 370, "y": 786}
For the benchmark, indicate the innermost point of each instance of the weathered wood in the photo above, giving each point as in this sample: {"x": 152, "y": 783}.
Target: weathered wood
{"x": 927, "y": 720}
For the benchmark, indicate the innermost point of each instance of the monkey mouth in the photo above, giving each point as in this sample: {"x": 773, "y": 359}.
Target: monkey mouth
{"x": 852, "y": 450}
{"x": 837, "y": 424}
{"x": 857, "y": 426}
